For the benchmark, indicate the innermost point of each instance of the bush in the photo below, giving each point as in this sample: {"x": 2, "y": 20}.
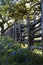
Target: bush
{"x": 11, "y": 53}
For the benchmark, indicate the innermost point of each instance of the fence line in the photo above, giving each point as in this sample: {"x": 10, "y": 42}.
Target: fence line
{"x": 28, "y": 33}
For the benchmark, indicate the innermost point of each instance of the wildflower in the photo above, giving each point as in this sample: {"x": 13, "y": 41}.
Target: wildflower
{"x": 15, "y": 52}
{"x": 10, "y": 54}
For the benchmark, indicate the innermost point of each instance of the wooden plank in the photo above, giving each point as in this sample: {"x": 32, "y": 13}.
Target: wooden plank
{"x": 23, "y": 39}
{"x": 35, "y": 23}
{"x": 24, "y": 36}
{"x": 35, "y": 41}
{"x": 36, "y": 36}
{"x": 11, "y": 32}
{"x": 36, "y": 47}
{"x": 37, "y": 26}
{"x": 35, "y": 15}
{"x": 28, "y": 31}
{"x": 23, "y": 25}
{"x": 23, "y": 30}
{"x": 20, "y": 33}
{"x": 36, "y": 30}
{"x": 15, "y": 33}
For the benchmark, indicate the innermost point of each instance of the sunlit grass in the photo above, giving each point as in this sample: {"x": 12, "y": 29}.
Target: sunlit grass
{"x": 24, "y": 45}
{"x": 37, "y": 51}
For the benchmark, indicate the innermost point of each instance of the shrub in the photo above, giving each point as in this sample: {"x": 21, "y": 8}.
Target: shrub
{"x": 11, "y": 53}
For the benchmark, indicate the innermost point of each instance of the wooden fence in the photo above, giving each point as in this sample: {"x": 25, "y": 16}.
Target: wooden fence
{"x": 26, "y": 33}
{"x": 30, "y": 33}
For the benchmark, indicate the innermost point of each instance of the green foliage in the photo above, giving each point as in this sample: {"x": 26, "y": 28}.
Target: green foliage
{"x": 12, "y": 10}
{"x": 11, "y": 53}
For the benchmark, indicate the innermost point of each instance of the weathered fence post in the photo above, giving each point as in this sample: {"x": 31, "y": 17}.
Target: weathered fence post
{"x": 15, "y": 33}
{"x": 42, "y": 23}
{"x": 20, "y": 32}
{"x": 28, "y": 30}
{"x": 34, "y": 15}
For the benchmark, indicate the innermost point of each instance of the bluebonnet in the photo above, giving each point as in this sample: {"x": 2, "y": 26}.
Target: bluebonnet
{"x": 14, "y": 52}
{"x": 10, "y": 54}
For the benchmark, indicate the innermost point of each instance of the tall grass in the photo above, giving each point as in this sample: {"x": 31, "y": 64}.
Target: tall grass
{"x": 11, "y": 53}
